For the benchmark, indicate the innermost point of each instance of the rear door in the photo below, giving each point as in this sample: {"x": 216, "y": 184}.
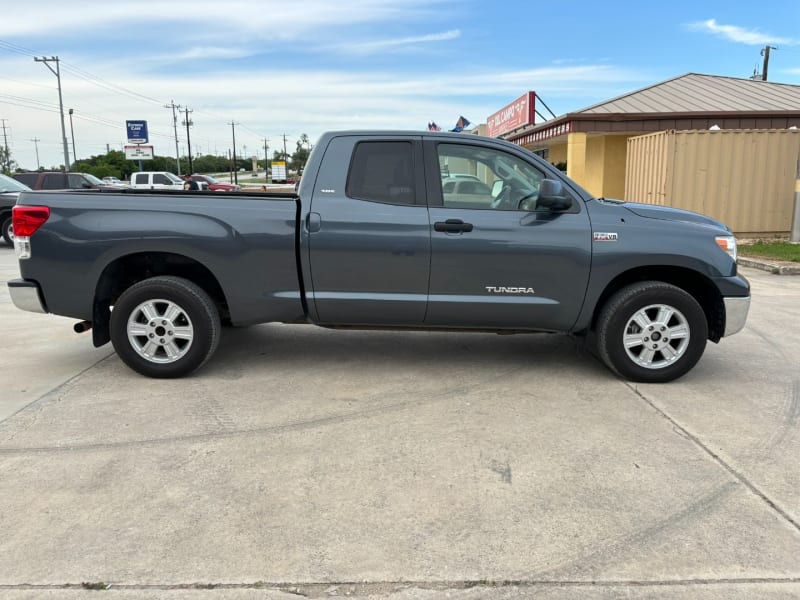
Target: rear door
{"x": 368, "y": 233}
{"x": 497, "y": 259}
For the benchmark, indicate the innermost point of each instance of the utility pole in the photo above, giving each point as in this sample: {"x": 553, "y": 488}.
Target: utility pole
{"x": 6, "y": 166}
{"x": 57, "y": 73}
{"x": 235, "y": 170}
{"x": 36, "y": 143}
{"x": 285, "y": 155}
{"x": 188, "y": 123}
{"x": 72, "y": 131}
{"x": 266, "y": 160}
{"x": 765, "y": 54}
{"x": 174, "y": 106}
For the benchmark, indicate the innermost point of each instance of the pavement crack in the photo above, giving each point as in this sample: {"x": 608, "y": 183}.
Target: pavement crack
{"x": 59, "y": 389}
{"x": 681, "y": 430}
{"x": 317, "y": 589}
{"x": 297, "y": 425}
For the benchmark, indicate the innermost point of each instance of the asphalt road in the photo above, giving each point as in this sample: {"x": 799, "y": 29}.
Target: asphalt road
{"x": 403, "y": 465}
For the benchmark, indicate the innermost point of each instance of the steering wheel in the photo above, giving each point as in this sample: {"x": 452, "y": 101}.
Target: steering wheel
{"x": 503, "y": 198}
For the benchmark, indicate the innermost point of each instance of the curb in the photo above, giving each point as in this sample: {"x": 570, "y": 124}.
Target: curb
{"x": 775, "y": 268}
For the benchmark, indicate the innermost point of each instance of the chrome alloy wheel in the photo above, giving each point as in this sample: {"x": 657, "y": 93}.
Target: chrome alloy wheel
{"x": 160, "y": 331}
{"x": 656, "y": 336}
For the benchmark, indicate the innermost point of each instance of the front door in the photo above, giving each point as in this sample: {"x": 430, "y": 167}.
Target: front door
{"x": 497, "y": 259}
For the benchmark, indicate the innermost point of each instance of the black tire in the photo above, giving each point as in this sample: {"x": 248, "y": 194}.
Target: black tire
{"x": 8, "y": 237}
{"x": 181, "y": 333}
{"x": 651, "y": 332}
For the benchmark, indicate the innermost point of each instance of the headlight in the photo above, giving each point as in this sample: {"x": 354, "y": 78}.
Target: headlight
{"x": 728, "y": 244}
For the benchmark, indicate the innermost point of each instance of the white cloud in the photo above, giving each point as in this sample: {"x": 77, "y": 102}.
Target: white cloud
{"x": 738, "y": 34}
{"x": 274, "y": 20}
{"x": 205, "y": 52}
{"x": 398, "y": 43}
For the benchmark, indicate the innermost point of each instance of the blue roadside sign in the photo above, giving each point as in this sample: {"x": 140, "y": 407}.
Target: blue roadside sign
{"x": 137, "y": 132}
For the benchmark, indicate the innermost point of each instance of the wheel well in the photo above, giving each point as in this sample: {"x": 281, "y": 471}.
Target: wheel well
{"x": 692, "y": 282}
{"x": 123, "y": 272}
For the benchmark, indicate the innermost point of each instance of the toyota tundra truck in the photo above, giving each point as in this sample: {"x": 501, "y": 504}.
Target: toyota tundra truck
{"x": 373, "y": 239}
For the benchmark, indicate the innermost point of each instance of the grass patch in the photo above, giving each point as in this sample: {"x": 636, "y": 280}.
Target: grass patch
{"x": 776, "y": 250}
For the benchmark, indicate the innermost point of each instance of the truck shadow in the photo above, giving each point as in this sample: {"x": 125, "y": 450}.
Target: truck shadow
{"x": 281, "y": 346}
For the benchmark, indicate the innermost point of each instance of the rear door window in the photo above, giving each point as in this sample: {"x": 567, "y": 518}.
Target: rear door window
{"x": 55, "y": 181}
{"x": 382, "y": 172}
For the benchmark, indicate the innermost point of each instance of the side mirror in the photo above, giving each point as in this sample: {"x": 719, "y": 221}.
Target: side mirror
{"x": 552, "y": 196}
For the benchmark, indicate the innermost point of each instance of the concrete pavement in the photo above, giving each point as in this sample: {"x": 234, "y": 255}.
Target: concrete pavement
{"x": 407, "y": 465}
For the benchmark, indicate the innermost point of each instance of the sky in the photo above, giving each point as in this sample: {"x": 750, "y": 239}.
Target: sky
{"x": 310, "y": 66}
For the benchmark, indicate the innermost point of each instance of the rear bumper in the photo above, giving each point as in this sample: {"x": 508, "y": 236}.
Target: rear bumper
{"x": 26, "y": 295}
{"x": 736, "y": 309}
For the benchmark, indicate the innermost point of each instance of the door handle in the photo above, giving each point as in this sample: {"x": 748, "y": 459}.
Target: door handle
{"x": 452, "y": 226}
{"x": 313, "y": 222}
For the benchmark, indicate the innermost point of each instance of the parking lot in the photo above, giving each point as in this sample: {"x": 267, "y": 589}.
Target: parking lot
{"x": 409, "y": 465}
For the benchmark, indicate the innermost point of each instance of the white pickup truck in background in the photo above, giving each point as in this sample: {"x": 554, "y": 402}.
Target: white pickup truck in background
{"x": 157, "y": 180}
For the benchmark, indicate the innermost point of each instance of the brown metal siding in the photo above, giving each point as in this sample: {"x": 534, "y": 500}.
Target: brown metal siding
{"x": 743, "y": 178}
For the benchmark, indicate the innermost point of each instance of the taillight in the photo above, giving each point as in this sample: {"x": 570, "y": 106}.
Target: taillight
{"x": 27, "y": 219}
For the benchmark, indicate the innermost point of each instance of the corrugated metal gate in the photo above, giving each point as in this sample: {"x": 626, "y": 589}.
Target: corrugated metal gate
{"x": 744, "y": 178}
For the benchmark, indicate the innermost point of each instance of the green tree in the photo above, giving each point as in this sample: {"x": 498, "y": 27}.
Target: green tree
{"x": 7, "y": 164}
{"x": 300, "y": 156}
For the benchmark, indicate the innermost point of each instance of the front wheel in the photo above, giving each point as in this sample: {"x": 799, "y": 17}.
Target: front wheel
{"x": 8, "y": 230}
{"x": 651, "y": 332}
{"x": 164, "y": 327}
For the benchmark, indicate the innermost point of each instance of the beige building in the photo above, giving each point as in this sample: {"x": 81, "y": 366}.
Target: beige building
{"x": 596, "y": 142}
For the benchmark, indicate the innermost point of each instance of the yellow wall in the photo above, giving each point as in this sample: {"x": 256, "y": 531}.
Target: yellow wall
{"x": 576, "y": 157}
{"x": 616, "y": 153}
{"x": 597, "y": 163}
{"x": 557, "y": 153}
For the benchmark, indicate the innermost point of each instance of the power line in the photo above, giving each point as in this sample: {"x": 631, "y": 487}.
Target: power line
{"x": 100, "y": 82}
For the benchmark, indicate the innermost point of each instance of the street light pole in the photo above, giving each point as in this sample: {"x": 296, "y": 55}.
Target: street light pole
{"x": 57, "y": 73}
{"x": 72, "y": 132}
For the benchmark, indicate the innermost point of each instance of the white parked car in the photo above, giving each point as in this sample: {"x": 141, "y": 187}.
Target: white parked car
{"x": 156, "y": 180}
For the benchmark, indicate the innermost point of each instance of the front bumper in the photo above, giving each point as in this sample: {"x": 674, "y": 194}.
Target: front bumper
{"x": 736, "y": 309}
{"x": 26, "y": 295}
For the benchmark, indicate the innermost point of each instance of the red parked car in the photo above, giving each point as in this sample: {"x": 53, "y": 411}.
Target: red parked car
{"x": 214, "y": 185}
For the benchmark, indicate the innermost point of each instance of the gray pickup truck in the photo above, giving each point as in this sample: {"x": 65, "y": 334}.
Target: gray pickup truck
{"x": 397, "y": 230}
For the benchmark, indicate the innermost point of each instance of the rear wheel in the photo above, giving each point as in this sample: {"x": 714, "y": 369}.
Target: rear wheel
{"x": 165, "y": 327}
{"x": 651, "y": 332}
{"x": 8, "y": 230}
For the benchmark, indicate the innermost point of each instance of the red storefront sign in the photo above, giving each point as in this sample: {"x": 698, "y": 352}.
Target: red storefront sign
{"x": 517, "y": 114}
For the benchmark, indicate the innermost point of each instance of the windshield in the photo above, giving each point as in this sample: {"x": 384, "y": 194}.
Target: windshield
{"x": 94, "y": 180}
{"x": 7, "y": 184}
{"x": 210, "y": 179}
{"x": 174, "y": 178}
